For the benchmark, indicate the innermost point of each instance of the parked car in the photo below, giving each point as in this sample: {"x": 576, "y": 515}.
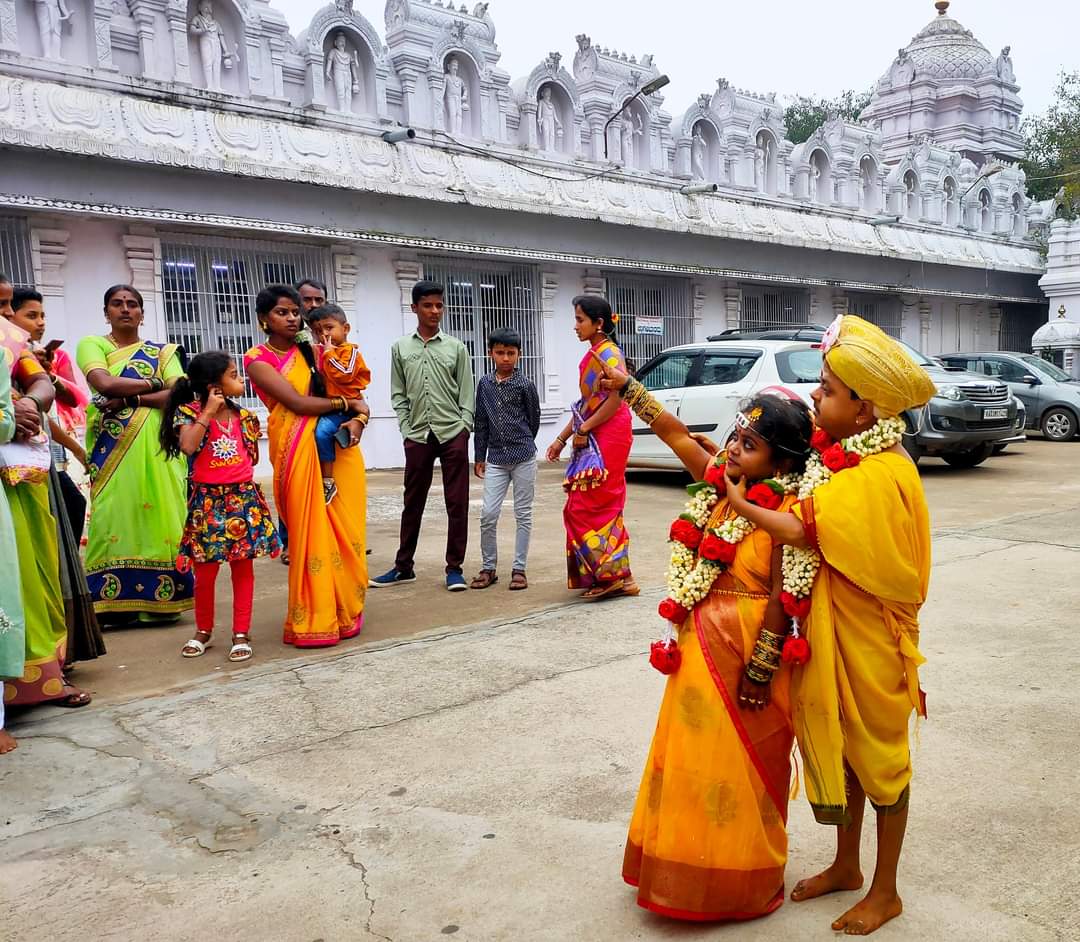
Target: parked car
{"x": 1050, "y": 395}
{"x": 703, "y": 384}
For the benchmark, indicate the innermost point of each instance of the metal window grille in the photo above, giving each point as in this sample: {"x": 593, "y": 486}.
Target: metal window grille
{"x": 209, "y": 287}
{"x": 481, "y": 296}
{"x": 654, "y": 313}
{"x": 1018, "y": 324}
{"x": 883, "y": 311}
{"x": 763, "y": 308}
{"x": 16, "y": 259}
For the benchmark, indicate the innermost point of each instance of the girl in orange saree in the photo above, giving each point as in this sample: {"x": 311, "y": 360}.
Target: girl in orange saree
{"x": 597, "y": 541}
{"x": 327, "y": 562}
{"x": 707, "y": 840}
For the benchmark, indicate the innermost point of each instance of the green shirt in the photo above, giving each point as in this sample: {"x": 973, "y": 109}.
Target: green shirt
{"x": 431, "y": 387}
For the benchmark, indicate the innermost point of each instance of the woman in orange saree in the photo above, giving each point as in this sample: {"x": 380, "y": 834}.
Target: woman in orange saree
{"x": 707, "y": 839}
{"x": 327, "y": 562}
{"x": 597, "y": 541}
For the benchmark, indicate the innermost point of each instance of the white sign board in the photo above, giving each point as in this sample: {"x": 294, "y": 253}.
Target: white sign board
{"x": 650, "y": 326}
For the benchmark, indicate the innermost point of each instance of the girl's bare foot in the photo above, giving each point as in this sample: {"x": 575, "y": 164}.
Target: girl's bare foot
{"x": 833, "y": 880}
{"x": 870, "y": 914}
{"x": 7, "y": 742}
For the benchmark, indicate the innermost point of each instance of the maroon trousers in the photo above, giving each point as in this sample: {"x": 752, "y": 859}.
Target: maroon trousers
{"x": 419, "y": 467}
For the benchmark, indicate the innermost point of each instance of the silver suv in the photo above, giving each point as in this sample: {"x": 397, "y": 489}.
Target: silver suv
{"x": 1050, "y": 395}
{"x": 971, "y": 417}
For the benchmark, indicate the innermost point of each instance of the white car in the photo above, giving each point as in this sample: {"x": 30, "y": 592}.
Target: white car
{"x": 703, "y": 384}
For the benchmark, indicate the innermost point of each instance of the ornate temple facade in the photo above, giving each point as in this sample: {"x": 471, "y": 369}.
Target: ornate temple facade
{"x": 198, "y": 150}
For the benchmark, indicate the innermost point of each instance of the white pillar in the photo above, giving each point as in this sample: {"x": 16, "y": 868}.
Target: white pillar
{"x": 407, "y": 271}
{"x": 144, "y": 259}
{"x": 49, "y": 251}
{"x": 551, "y": 394}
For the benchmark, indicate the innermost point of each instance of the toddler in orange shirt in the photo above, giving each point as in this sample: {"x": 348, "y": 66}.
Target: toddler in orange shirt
{"x": 346, "y": 375}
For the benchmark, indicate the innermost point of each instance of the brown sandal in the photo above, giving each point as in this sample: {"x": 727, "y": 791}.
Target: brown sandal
{"x": 518, "y": 580}
{"x": 483, "y": 579}
{"x": 603, "y": 591}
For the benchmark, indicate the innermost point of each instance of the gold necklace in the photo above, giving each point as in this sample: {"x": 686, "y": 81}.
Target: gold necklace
{"x": 278, "y": 349}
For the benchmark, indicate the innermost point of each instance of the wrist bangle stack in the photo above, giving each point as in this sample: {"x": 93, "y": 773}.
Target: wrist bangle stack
{"x": 132, "y": 402}
{"x": 641, "y": 401}
{"x": 363, "y": 418}
{"x": 156, "y": 384}
{"x": 339, "y": 404}
{"x": 765, "y": 660}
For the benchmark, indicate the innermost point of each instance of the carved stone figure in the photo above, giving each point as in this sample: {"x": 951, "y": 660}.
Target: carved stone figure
{"x": 480, "y": 10}
{"x": 698, "y": 148}
{"x": 213, "y": 50}
{"x": 629, "y": 131}
{"x": 395, "y": 14}
{"x": 548, "y": 123}
{"x": 903, "y": 69}
{"x": 1004, "y": 67}
{"x": 51, "y": 15}
{"x": 759, "y": 167}
{"x": 343, "y": 69}
{"x": 455, "y": 97}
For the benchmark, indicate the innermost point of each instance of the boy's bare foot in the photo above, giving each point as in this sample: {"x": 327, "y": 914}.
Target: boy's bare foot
{"x": 870, "y": 914}
{"x": 7, "y": 742}
{"x": 833, "y": 880}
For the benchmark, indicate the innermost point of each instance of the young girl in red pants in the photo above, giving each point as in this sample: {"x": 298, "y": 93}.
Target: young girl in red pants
{"x": 228, "y": 520}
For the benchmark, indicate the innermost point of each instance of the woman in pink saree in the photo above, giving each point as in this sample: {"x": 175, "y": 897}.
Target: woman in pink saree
{"x": 597, "y": 542}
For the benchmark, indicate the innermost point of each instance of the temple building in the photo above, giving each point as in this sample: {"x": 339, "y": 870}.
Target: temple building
{"x": 198, "y": 150}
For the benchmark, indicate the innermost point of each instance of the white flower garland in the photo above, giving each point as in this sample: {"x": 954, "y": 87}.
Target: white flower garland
{"x": 801, "y": 566}
{"x": 689, "y": 577}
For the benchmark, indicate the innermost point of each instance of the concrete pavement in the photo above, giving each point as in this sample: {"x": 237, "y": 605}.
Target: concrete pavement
{"x": 474, "y": 779}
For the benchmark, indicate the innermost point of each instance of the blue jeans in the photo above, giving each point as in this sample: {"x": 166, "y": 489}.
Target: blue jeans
{"x": 497, "y": 480}
{"x": 325, "y": 430}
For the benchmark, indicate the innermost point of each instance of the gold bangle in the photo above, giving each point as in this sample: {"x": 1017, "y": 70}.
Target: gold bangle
{"x": 642, "y": 403}
{"x": 757, "y": 676}
{"x": 362, "y": 418}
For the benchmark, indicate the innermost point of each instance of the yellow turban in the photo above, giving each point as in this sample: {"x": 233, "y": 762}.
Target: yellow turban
{"x": 879, "y": 370}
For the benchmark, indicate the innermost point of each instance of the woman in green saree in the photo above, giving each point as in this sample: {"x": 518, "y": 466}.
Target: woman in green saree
{"x": 138, "y": 496}
{"x": 12, "y": 625}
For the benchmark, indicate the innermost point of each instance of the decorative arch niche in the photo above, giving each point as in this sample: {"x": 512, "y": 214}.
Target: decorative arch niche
{"x": 950, "y": 215}
{"x": 820, "y": 181}
{"x": 869, "y": 184}
{"x": 472, "y": 116}
{"x": 985, "y": 210}
{"x": 766, "y": 162}
{"x": 565, "y": 137}
{"x": 911, "y": 195}
{"x": 1019, "y": 219}
{"x": 365, "y": 100}
{"x": 234, "y": 80}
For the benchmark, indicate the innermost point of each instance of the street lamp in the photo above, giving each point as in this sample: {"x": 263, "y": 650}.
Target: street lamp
{"x": 648, "y": 89}
{"x": 987, "y": 172}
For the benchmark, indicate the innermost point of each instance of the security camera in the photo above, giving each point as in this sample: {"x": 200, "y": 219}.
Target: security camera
{"x": 398, "y": 135}
{"x": 696, "y": 188}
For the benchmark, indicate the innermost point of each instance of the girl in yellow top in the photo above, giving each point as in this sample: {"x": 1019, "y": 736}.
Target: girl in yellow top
{"x": 860, "y": 536}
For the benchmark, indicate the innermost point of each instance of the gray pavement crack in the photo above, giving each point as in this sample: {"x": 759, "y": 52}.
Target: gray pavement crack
{"x": 339, "y": 840}
{"x": 424, "y": 714}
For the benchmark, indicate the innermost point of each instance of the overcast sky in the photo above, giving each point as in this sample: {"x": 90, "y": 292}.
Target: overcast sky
{"x": 786, "y": 46}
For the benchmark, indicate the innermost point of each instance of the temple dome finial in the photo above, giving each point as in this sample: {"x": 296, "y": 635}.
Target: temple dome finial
{"x": 941, "y": 6}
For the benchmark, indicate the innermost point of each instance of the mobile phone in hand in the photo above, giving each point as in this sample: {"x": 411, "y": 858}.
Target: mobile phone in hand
{"x": 53, "y": 345}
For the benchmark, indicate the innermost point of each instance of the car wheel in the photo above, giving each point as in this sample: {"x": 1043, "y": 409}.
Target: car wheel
{"x": 969, "y": 459}
{"x": 1059, "y": 425}
{"x": 911, "y": 444}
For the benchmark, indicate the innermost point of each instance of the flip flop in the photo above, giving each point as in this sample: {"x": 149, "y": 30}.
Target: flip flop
{"x": 241, "y": 650}
{"x": 74, "y": 700}
{"x": 199, "y": 646}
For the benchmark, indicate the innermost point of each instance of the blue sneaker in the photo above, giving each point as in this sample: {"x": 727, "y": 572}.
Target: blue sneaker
{"x": 455, "y": 582}
{"x": 393, "y": 577}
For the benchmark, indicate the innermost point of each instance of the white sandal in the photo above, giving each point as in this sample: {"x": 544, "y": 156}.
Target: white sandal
{"x": 240, "y": 651}
{"x": 199, "y": 646}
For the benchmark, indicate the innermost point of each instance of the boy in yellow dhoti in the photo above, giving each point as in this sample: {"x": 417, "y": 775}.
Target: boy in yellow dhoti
{"x": 862, "y": 526}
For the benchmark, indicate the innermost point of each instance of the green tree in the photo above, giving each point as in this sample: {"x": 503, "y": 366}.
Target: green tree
{"x": 806, "y": 114}
{"x": 1053, "y": 146}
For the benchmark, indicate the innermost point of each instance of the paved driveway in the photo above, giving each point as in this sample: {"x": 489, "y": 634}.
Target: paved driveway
{"x": 469, "y": 778}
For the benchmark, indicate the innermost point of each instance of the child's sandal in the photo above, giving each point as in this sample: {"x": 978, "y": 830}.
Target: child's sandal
{"x": 241, "y": 649}
{"x": 197, "y": 647}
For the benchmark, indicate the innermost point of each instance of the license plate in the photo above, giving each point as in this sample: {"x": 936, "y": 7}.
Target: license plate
{"x": 995, "y": 413}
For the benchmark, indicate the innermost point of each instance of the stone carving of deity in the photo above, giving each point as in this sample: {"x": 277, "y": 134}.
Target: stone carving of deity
{"x": 903, "y": 69}
{"x": 343, "y": 69}
{"x": 698, "y": 148}
{"x": 1004, "y": 67}
{"x": 455, "y": 96}
{"x": 759, "y": 167}
{"x": 213, "y": 50}
{"x": 628, "y": 132}
{"x": 547, "y": 120}
{"x": 51, "y": 15}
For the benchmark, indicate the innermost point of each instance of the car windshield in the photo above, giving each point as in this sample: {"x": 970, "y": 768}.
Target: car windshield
{"x": 1039, "y": 365}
